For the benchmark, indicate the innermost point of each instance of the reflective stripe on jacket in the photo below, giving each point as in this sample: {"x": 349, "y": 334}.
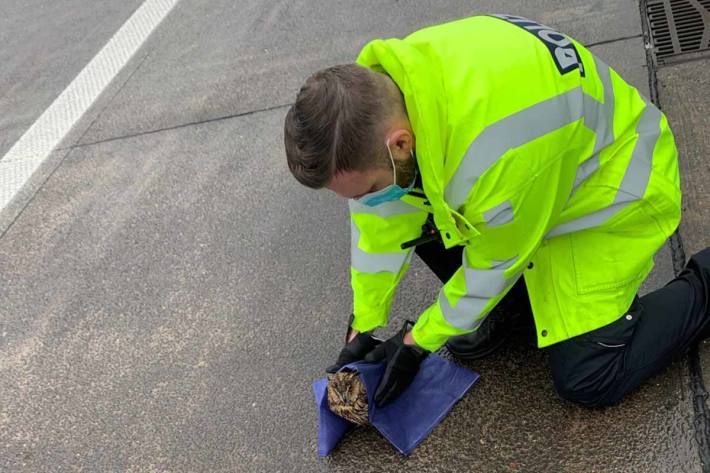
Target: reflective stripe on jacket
{"x": 536, "y": 157}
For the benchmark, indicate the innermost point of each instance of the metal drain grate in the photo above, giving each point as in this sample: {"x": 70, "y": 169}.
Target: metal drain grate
{"x": 678, "y": 27}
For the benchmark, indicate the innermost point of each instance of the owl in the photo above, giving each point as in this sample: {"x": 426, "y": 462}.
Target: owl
{"x": 347, "y": 397}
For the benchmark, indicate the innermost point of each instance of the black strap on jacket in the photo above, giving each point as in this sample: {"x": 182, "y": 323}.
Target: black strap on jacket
{"x": 429, "y": 233}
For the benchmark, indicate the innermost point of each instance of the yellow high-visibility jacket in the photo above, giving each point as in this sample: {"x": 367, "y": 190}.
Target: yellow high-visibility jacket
{"x": 536, "y": 157}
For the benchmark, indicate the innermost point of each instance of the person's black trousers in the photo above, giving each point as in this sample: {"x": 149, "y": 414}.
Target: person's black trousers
{"x": 600, "y": 367}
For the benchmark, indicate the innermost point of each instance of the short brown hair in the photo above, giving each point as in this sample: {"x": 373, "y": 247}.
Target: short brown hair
{"x": 334, "y": 123}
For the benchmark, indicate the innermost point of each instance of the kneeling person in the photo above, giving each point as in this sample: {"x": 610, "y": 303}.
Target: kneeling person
{"x": 503, "y": 152}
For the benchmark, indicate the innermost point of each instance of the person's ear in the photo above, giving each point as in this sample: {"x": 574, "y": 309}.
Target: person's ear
{"x": 401, "y": 143}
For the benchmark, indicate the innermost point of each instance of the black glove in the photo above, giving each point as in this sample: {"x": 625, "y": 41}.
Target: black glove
{"x": 354, "y": 350}
{"x": 403, "y": 362}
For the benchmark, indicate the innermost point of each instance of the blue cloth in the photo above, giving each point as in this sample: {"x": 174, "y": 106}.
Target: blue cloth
{"x": 407, "y": 420}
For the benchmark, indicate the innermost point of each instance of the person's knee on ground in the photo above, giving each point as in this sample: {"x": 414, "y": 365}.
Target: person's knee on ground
{"x": 589, "y": 369}
{"x": 587, "y": 392}
{"x": 585, "y": 374}
{"x": 601, "y": 367}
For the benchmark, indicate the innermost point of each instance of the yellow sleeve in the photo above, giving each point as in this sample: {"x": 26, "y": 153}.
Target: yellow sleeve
{"x": 378, "y": 262}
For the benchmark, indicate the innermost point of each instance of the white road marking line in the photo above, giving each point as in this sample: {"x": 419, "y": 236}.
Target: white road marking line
{"x": 35, "y": 145}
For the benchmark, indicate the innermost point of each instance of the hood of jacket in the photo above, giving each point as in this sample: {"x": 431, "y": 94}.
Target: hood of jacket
{"x": 418, "y": 75}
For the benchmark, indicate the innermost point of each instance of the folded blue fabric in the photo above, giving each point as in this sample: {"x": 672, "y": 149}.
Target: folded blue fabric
{"x": 407, "y": 420}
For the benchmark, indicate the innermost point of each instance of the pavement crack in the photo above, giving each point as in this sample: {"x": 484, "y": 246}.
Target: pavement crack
{"x": 175, "y": 127}
{"x": 4, "y": 228}
{"x": 108, "y": 102}
{"x": 608, "y": 41}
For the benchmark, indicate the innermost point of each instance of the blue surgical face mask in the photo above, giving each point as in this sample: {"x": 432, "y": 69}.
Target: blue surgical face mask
{"x": 391, "y": 192}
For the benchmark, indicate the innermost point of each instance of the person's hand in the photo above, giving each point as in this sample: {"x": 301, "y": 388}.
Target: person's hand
{"x": 403, "y": 361}
{"x": 356, "y": 347}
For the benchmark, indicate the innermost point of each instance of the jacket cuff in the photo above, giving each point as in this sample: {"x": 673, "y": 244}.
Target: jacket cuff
{"x": 366, "y": 321}
{"x": 429, "y": 341}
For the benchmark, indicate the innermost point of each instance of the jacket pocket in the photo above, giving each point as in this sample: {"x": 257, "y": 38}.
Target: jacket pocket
{"x": 615, "y": 254}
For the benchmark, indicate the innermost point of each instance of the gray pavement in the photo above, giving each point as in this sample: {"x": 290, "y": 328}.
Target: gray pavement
{"x": 169, "y": 292}
{"x": 44, "y": 46}
{"x": 683, "y": 92}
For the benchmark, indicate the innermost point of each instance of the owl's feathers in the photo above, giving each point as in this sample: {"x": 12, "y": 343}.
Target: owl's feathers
{"x": 347, "y": 397}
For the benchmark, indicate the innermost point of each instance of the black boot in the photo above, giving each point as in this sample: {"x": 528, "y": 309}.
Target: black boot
{"x": 512, "y": 315}
{"x": 490, "y": 336}
{"x": 697, "y": 273}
